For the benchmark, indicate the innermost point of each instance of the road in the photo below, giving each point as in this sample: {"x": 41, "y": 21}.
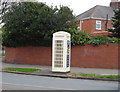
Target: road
{"x": 30, "y": 82}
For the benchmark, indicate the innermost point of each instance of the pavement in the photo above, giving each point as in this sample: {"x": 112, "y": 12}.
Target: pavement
{"x": 47, "y": 71}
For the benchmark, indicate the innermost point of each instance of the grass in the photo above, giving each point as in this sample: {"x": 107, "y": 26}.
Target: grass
{"x": 2, "y": 54}
{"x": 25, "y": 70}
{"x": 95, "y": 76}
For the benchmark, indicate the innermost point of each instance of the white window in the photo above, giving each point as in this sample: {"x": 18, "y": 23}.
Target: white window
{"x": 98, "y": 25}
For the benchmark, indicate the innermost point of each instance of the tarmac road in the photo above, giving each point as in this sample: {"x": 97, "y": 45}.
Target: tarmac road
{"x": 29, "y": 82}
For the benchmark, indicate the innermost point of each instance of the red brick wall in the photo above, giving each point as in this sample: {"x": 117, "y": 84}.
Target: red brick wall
{"x": 29, "y": 55}
{"x": 103, "y": 56}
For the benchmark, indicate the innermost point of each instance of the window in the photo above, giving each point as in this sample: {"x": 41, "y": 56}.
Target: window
{"x": 98, "y": 25}
{"x": 58, "y": 53}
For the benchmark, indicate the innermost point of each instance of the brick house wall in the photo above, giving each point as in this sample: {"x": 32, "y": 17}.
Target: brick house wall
{"x": 89, "y": 26}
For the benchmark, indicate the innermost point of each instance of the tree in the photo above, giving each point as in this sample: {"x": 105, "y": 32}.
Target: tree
{"x": 32, "y": 23}
{"x": 4, "y": 5}
{"x": 65, "y": 18}
{"x": 116, "y": 24}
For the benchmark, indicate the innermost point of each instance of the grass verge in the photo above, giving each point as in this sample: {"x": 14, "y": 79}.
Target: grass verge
{"x": 2, "y": 54}
{"x": 25, "y": 70}
{"x": 94, "y": 76}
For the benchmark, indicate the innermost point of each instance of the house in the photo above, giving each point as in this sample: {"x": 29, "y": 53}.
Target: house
{"x": 97, "y": 20}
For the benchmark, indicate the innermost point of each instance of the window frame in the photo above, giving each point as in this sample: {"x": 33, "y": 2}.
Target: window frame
{"x": 98, "y": 22}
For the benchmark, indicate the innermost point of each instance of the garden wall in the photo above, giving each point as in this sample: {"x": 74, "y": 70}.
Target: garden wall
{"x": 102, "y": 56}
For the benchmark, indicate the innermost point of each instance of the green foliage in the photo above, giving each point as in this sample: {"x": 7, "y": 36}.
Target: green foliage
{"x": 30, "y": 24}
{"x": 65, "y": 19}
{"x": 96, "y": 40}
{"x": 78, "y": 37}
{"x": 116, "y": 24}
{"x": 114, "y": 40}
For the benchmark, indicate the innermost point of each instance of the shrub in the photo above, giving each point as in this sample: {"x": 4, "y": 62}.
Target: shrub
{"x": 78, "y": 37}
{"x": 114, "y": 40}
{"x": 96, "y": 40}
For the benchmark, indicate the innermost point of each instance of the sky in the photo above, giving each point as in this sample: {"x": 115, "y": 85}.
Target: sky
{"x": 78, "y": 6}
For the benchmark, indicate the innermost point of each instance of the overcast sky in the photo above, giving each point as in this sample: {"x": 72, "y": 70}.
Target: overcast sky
{"x": 78, "y": 6}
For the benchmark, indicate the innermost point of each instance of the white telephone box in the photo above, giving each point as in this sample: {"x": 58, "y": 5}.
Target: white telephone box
{"x": 61, "y": 52}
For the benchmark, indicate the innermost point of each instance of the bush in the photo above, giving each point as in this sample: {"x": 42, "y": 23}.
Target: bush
{"x": 96, "y": 40}
{"x": 114, "y": 40}
{"x": 78, "y": 37}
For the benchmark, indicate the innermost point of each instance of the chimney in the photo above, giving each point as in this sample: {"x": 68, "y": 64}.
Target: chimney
{"x": 115, "y": 4}
{"x": 114, "y": 0}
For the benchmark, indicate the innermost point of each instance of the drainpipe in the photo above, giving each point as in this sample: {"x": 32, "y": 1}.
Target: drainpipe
{"x": 106, "y": 22}
{"x": 80, "y": 24}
